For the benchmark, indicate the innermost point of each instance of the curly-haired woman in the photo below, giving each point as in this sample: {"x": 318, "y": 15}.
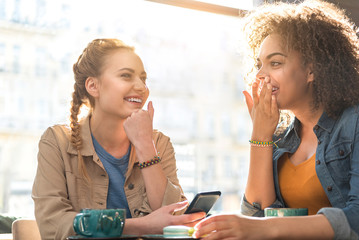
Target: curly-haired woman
{"x": 307, "y": 63}
{"x": 111, "y": 159}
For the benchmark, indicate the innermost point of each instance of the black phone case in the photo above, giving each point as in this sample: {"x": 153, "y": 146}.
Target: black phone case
{"x": 203, "y": 202}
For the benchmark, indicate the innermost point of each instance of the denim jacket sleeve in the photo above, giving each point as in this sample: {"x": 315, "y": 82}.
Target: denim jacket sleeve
{"x": 335, "y": 216}
{"x": 254, "y": 209}
{"x": 339, "y": 223}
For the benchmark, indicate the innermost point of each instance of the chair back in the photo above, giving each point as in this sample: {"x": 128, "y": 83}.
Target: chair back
{"x": 25, "y": 229}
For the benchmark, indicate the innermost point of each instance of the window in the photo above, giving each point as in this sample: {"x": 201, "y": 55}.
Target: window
{"x": 16, "y": 61}
{"x": 41, "y": 61}
{"x": 40, "y": 12}
{"x": 2, "y": 9}
{"x": 2, "y": 57}
{"x": 16, "y": 11}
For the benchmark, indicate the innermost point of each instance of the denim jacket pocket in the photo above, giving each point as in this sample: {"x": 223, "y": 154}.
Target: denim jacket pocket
{"x": 337, "y": 159}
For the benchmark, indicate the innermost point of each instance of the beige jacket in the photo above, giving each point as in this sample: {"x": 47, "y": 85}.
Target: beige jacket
{"x": 60, "y": 192}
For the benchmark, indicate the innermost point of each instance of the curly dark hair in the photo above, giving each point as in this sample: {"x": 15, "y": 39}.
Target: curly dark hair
{"x": 325, "y": 38}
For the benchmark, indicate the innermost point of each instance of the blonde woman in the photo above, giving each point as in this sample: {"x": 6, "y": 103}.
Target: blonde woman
{"x": 111, "y": 159}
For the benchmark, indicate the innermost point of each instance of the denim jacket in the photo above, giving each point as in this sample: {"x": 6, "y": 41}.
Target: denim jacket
{"x": 337, "y": 167}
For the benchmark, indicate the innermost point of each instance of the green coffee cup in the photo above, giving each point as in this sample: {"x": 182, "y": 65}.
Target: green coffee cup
{"x": 100, "y": 222}
{"x": 285, "y": 212}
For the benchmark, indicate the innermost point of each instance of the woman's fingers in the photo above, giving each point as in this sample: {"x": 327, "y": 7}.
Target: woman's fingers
{"x": 274, "y": 105}
{"x": 265, "y": 96}
{"x": 249, "y": 102}
{"x": 255, "y": 87}
{"x": 268, "y": 96}
{"x": 150, "y": 109}
{"x": 215, "y": 223}
{"x": 174, "y": 207}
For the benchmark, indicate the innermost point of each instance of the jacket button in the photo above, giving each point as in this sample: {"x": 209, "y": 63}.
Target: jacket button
{"x": 103, "y": 175}
{"x": 316, "y": 127}
{"x": 100, "y": 203}
{"x": 318, "y": 162}
{"x": 329, "y": 188}
{"x": 131, "y": 186}
{"x": 341, "y": 153}
{"x": 319, "y": 142}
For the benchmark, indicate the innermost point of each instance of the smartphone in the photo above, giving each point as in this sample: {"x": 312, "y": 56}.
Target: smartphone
{"x": 203, "y": 202}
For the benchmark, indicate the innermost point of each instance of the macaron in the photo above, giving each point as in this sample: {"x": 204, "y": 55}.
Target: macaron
{"x": 177, "y": 231}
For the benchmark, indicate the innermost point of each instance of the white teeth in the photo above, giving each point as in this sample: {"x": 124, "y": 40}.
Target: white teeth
{"x": 134, "y": 100}
{"x": 274, "y": 89}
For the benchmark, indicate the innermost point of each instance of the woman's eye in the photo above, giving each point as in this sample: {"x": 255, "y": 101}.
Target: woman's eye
{"x": 258, "y": 66}
{"x": 275, "y": 64}
{"x": 126, "y": 75}
{"x": 144, "y": 79}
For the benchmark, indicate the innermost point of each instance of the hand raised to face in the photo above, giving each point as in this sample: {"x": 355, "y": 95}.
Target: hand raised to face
{"x": 139, "y": 127}
{"x": 263, "y": 110}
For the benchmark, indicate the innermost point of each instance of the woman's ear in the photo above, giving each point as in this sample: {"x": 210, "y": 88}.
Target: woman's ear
{"x": 92, "y": 86}
{"x": 310, "y": 76}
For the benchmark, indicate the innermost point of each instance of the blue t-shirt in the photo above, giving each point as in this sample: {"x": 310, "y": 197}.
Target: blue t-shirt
{"x": 116, "y": 170}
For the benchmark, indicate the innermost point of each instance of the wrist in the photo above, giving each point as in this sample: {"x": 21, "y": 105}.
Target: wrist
{"x": 146, "y": 152}
{"x": 269, "y": 228}
{"x": 272, "y": 228}
{"x": 261, "y": 138}
{"x": 136, "y": 226}
{"x": 144, "y": 144}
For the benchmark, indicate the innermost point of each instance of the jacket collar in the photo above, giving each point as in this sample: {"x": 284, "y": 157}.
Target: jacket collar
{"x": 326, "y": 122}
{"x": 87, "y": 148}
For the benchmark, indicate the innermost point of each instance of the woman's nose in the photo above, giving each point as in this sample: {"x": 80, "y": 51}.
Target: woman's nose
{"x": 260, "y": 75}
{"x": 140, "y": 85}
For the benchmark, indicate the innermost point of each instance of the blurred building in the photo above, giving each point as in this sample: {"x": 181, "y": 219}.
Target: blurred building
{"x": 29, "y": 98}
{"x": 195, "y": 76}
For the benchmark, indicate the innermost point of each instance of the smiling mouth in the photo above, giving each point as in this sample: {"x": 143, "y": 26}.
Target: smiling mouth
{"x": 274, "y": 89}
{"x": 136, "y": 100}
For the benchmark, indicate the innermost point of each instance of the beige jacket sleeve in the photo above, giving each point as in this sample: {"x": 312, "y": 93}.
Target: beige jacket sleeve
{"x": 53, "y": 210}
{"x": 173, "y": 192}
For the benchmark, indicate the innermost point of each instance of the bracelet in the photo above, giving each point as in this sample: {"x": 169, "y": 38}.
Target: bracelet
{"x": 261, "y": 144}
{"x": 154, "y": 160}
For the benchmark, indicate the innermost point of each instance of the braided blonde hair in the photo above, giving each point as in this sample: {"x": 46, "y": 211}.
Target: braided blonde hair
{"x": 89, "y": 64}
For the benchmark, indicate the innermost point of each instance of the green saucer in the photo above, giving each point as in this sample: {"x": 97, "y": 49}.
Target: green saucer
{"x": 285, "y": 212}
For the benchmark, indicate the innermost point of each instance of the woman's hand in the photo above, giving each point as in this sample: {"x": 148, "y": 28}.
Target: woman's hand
{"x": 139, "y": 129}
{"x": 243, "y": 227}
{"x": 263, "y": 110}
{"x": 230, "y": 227}
{"x": 154, "y": 222}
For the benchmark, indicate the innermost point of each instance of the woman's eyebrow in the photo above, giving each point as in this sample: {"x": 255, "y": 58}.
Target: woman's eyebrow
{"x": 274, "y": 54}
{"x": 271, "y": 55}
{"x": 131, "y": 70}
{"x": 128, "y": 69}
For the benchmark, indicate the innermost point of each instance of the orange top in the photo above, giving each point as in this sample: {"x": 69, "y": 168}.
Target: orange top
{"x": 300, "y": 186}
